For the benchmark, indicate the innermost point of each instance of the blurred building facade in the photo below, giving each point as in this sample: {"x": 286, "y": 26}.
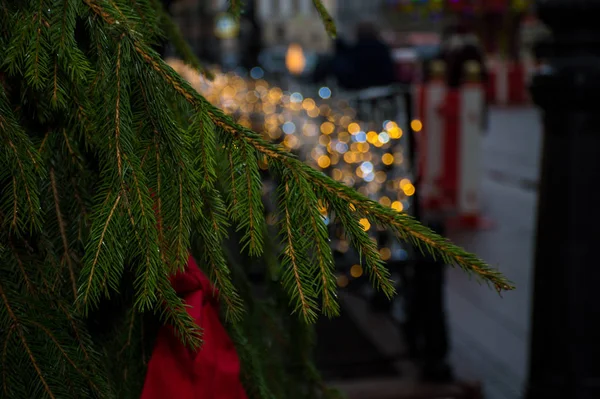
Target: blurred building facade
{"x": 196, "y": 21}
{"x": 294, "y": 21}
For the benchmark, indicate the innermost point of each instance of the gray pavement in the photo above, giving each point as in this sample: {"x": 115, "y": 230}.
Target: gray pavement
{"x": 489, "y": 333}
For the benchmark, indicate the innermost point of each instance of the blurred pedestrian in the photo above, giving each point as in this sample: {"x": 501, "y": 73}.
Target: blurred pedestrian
{"x": 372, "y": 58}
{"x": 460, "y": 47}
{"x": 366, "y": 63}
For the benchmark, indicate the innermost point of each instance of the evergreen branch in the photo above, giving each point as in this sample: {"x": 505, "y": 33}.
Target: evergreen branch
{"x": 174, "y": 313}
{"x": 28, "y": 284}
{"x": 38, "y": 62}
{"x": 49, "y": 334}
{"x": 173, "y": 307}
{"x": 297, "y": 279}
{"x": 129, "y": 332}
{"x": 248, "y": 209}
{"x": 16, "y": 324}
{"x": 4, "y": 351}
{"x": 92, "y": 272}
{"x": 181, "y": 46}
{"x": 202, "y": 132}
{"x": 22, "y": 159}
{"x": 147, "y": 277}
{"x": 63, "y": 233}
{"x": 326, "y": 18}
{"x": 23, "y": 177}
{"x": 398, "y": 221}
{"x": 181, "y": 239}
{"x": 159, "y": 212}
{"x": 319, "y": 235}
{"x": 234, "y": 195}
{"x": 76, "y": 331}
{"x": 212, "y": 231}
{"x": 376, "y": 269}
{"x": 117, "y": 112}
{"x": 235, "y": 8}
{"x": 63, "y": 27}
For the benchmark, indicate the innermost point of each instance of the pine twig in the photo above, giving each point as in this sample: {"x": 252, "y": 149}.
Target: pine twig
{"x": 326, "y": 18}
{"x": 388, "y": 217}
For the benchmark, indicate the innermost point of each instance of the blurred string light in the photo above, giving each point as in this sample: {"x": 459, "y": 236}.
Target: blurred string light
{"x": 322, "y": 131}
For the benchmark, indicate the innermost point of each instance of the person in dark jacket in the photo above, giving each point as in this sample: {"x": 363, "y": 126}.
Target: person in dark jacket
{"x": 365, "y": 64}
{"x": 461, "y": 46}
{"x": 372, "y": 59}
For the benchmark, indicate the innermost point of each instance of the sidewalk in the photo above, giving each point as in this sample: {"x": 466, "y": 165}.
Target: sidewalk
{"x": 489, "y": 333}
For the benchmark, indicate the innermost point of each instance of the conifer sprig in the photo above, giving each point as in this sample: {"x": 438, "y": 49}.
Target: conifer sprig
{"x": 405, "y": 226}
{"x": 110, "y": 165}
{"x": 326, "y": 18}
{"x": 236, "y": 7}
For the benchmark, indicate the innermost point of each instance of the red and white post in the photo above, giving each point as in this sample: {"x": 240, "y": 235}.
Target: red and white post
{"x": 462, "y": 171}
{"x": 431, "y": 97}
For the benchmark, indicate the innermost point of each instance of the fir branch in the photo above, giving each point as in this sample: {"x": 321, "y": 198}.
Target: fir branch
{"x": 26, "y": 278}
{"x": 37, "y": 65}
{"x": 19, "y": 163}
{"x": 17, "y": 327}
{"x": 248, "y": 209}
{"x": 235, "y": 8}
{"x": 326, "y": 18}
{"x": 398, "y": 221}
{"x": 203, "y": 135}
{"x": 51, "y": 336}
{"x": 174, "y": 313}
{"x": 89, "y": 291}
{"x": 212, "y": 232}
{"x": 76, "y": 332}
{"x": 63, "y": 233}
{"x": 181, "y": 46}
{"x": 360, "y": 239}
{"x": 319, "y": 236}
{"x": 118, "y": 111}
{"x": 297, "y": 269}
{"x": 173, "y": 227}
{"x": 11, "y": 329}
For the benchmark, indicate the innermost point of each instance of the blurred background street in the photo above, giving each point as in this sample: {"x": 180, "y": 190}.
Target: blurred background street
{"x": 490, "y": 333}
{"x": 423, "y": 106}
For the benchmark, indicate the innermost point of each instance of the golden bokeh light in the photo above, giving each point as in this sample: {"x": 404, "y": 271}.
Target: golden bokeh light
{"x": 387, "y": 159}
{"x": 409, "y": 190}
{"x": 386, "y": 254}
{"x": 372, "y": 137}
{"x": 395, "y": 133}
{"x": 416, "y": 125}
{"x": 397, "y": 206}
{"x": 364, "y": 222}
{"x": 354, "y": 128}
{"x": 356, "y": 271}
{"x": 385, "y": 201}
{"x": 327, "y": 127}
{"x": 342, "y": 281}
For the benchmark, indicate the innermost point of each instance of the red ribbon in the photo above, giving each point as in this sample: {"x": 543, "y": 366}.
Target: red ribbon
{"x": 213, "y": 371}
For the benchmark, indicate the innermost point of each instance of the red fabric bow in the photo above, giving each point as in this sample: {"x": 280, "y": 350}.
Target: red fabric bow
{"x": 213, "y": 371}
